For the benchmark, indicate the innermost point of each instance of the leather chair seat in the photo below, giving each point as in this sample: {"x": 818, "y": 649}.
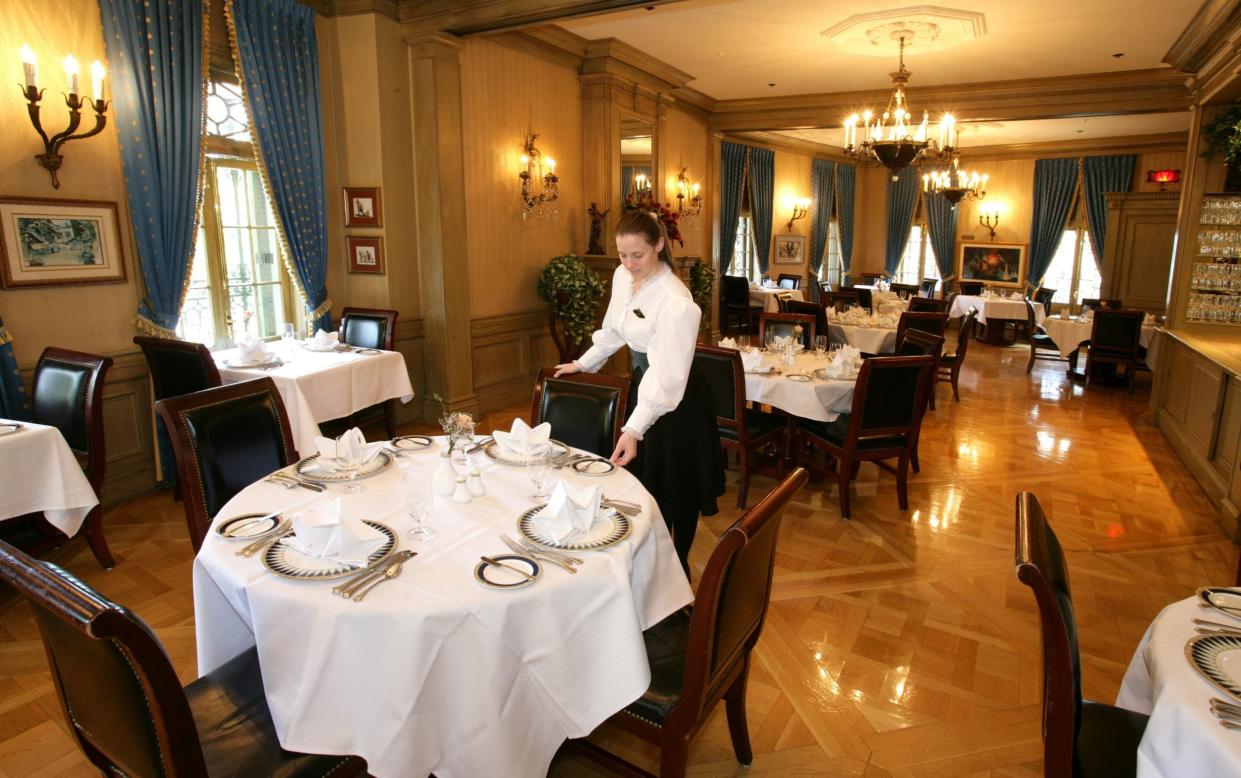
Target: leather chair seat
{"x": 236, "y": 731}
{"x": 665, "y": 650}
{"x": 1107, "y": 743}
{"x": 835, "y": 432}
{"x": 758, "y": 423}
{"x": 1043, "y": 341}
{"x": 947, "y": 359}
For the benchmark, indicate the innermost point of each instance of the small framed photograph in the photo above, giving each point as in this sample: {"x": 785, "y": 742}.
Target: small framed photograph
{"x": 363, "y": 207}
{"x": 46, "y": 242}
{"x": 998, "y": 264}
{"x": 366, "y": 255}
{"x": 790, "y": 249}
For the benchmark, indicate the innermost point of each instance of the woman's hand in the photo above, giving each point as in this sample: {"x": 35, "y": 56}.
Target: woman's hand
{"x": 567, "y": 368}
{"x": 626, "y": 449}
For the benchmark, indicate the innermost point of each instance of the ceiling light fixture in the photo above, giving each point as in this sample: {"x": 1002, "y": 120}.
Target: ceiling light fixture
{"x": 956, "y": 184}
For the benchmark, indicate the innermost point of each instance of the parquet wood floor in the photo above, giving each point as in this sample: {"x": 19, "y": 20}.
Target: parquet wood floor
{"x": 897, "y": 644}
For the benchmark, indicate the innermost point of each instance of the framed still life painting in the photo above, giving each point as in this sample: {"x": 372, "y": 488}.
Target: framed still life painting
{"x": 46, "y": 242}
{"x": 366, "y": 255}
{"x": 997, "y": 264}
{"x": 363, "y": 207}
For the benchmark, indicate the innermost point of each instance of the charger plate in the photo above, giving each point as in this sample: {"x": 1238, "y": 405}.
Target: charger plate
{"x": 238, "y": 364}
{"x": 595, "y": 467}
{"x": 555, "y": 450}
{"x": 377, "y": 464}
{"x": 1218, "y": 659}
{"x": 288, "y": 562}
{"x": 499, "y": 578}
{"x": 607, "y": 531}
{"x": 248, "y": 526}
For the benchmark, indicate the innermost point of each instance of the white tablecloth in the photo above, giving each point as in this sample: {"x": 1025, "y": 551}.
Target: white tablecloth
{"x": 318, "y": 387}
{"x": 1071, "y": 333}
{"x": 993, "y": 307}
{"x": 818, "y": 399}
{"x": 1182, "y": 738}
{"x": 42, "y": 474}
{"x": 766, "y": 297}
{"x": 872, "y": 340}
{"x": 433, "y": 671}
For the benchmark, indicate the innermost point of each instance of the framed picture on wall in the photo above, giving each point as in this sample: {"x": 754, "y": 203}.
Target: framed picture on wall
{"x": 997, "y": 264}
{"x": 46, "y": 242}
{"x": 789, "y": 249}
{"x": 363, "y": 207}
{"x": 366, "y": 255}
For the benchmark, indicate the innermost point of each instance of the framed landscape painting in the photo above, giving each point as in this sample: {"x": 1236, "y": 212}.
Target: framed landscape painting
{"x": 47, "y": 242}
{"x": 997, "y": 264}
{"x": 365, "y": 255}
{"x": 790, "y": 249}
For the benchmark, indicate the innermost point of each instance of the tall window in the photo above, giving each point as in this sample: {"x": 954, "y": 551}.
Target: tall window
{"x": 1074, "y": 272}
{"x": 745, "y": 262}
{"x": 239, "y": 288}
{"x": 918, "y": 261}
{"x": 832, "y": 270}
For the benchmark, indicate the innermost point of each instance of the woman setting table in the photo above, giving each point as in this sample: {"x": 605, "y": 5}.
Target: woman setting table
{"x": 434, "y": 671}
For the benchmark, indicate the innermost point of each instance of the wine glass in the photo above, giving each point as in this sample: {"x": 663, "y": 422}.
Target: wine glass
{"x": 820, "y": 345}
{"x": 539, "y": 471}
{"x": 743, "y": 342}
{"x": 419, "y": 499}
{"x": 288, "y": 334}
{"x": 351, "y": 463}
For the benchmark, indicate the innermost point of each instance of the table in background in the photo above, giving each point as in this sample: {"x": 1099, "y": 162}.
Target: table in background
{"x": 998, "y": 310}
{"x": 818, "y": 399}
{"x": 1070, "y": 334}
{"x": 766, "y": 297}
{"x": 870, "y": 340}
{"x": 433, "y": 671}
{"x": 320, "y": 386}
{"x": 1182, "y": 737}
{"x": 41, "y": 474}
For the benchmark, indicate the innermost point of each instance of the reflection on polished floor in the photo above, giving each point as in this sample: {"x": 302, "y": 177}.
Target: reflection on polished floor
{"x": 897, "y": 643}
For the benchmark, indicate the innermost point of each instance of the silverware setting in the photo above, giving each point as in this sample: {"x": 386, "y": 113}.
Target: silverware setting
{"x": 559, "y": 560}
{"x": 497, "y": 563}
{"x": 295, "y": 481}
{"x": 1234, "y": 613}
{"x": 380, "y": 567}
{"x": 285, "y": 527}
{"x": 271, "y": 479}
{"x": 391, "y": 572}
{"x": 620, "y": 506}
{"x": 480, "y": 445}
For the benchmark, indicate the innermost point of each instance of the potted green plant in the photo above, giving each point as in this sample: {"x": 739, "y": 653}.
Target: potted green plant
{"x": 701, "y": 284}
{"x": 572, "y": 292}
{"x": 1222, "y": 135}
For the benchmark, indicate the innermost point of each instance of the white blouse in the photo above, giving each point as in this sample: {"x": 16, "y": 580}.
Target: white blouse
{"x": 667, "y": 332}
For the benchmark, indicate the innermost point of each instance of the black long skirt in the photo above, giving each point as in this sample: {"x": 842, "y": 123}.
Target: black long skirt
{"x": 679, "y": 459}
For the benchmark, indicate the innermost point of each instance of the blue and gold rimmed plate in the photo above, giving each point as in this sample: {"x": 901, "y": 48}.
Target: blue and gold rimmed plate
{"x": 593, "y": 466}
{"x": 1218, "y": 659}
{"x": 1226, "y": 601}
{"x": 498, "y": 577}
{"x": 248, "y": 526}
{"x": 608, "y": 530}
{"x": 411, "y": 442}
{"x": 287, "y": 562}
{"x": 308, "y": 468}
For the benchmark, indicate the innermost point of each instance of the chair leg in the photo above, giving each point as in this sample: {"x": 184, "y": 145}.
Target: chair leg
{"x": 674, "y": 757}
{"x": 844, "y": 474}
{"x": 94, "y": 537}
{"x": 956, "y": 394}
{"x": 931, "y": 395}
{"x": 902, "y": 481}
{"x": 744, "y": 486}
{"x": 389, "y": 419}
{"x": 734, "y": 700}
{"x": 1030, "y": 364}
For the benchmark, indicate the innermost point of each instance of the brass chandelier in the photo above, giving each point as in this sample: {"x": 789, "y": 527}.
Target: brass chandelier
{"x": 955, "y": 184}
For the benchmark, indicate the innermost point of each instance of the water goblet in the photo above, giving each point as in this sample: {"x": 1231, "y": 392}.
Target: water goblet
{"x": 539, "y": 471}
{"x": 820, "y": 345}
{"x": 743, "y": 342}
{"x": 351, "y": 463}
{"x": 419, "y": 499}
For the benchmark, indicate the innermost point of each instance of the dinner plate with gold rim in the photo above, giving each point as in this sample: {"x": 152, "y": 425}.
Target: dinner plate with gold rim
{"x": 555, "y": 450}
{"x": 411, "y": 442}
{"x": 374, "y": 466}
{"x": 248, "y": 526}
{"x": 798, "y": 377}
{"x": 1221, "y": 598}
{"x": 495, "y": 577}
{"x": 238, "y": 364}
{"x": 327, "y": 349}
{"x": 1218, "y": 659}
{"x": 593, "y": 467}
{"x": 287, "y": 562}
{"x": 608, "y": 530}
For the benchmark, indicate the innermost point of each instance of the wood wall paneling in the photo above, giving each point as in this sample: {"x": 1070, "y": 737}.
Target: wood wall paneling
{"x": 1137, "y": 255}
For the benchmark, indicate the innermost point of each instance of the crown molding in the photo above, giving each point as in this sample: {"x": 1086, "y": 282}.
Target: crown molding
{"x": 389, "y": 8}
{"x": 612, "y": 55}
{"x": 777, "y": 142}
{"x": 1126, "y": 144}
{"x": 546, "y": 44}
{"x": 1215, "y": 22}
{"x": 472, "y": 17}
{"x": 1155, "y": 90}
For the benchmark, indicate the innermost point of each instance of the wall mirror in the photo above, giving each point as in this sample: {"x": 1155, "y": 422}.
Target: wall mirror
{"x": 637, "y": 137}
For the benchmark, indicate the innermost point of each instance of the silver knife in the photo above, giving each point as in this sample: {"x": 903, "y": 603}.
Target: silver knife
{"x": 551, "y": 560}
{"x": 379, "y": 567}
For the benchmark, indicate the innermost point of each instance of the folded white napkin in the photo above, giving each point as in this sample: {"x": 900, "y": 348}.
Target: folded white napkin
{"x": 751, "y": 360}
{"x": 728, "y": 343}
{"x": 333, "y": 454}
{"x": 327, "y": 534}
{"x": 1016, "y": 296}
{"x": 253, "y": 352}
{"x": 850, "y": 354}
{"x": 780, "y": 341}
{"x": 323, "y": 339}
{"x": 888, "y": 320}
{"x": 768, "y": 283}
{"x": 839, "y": 367}
{"x": 569, "y": 510}
{"x": 522, "y": 441}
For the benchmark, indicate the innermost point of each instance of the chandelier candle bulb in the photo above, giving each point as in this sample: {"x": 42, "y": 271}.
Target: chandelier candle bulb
{"x": 96, "y": 78}
{"x": 29, "y": 68}
{"x": 71, "y": 73}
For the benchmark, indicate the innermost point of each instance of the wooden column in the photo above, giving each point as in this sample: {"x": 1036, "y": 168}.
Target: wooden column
{"x": 439, "y": 176}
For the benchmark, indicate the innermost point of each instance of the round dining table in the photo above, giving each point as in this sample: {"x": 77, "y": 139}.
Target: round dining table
{"x": 870, "y": 339}
{"x": 804, "y": 394}
{"x": 433, "y": 671}
{"x": 1182, "y": 737}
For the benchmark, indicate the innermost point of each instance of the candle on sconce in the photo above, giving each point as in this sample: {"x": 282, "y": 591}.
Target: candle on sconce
{"x": 71, "y": 74}
{"x": 97, "y": 74}
{"x": 29, "y": 67}
{"x": 551, "y": 164}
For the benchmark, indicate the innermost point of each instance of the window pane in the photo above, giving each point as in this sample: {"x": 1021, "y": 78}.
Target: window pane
{"x": 907, "y": 271}
{"x": 269, "y": 309}
{"x": 197, "y": 321}
{"x": 1089, "y": 281}
{"x": 266, "y": 267}
{"x": 226, "y": 111}
{"x": 833, "y": 267}
{"x": 231, "y": 194}
{"x": 1060, "y": 273}
{"x": 930, "y": 268}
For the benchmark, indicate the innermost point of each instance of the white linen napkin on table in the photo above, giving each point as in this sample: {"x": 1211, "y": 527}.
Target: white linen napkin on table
{"x": 569, "y": 510}
{"x": 327, "y": 534}
{"x": 840, "y": 367}
{"x": 751, "y": 360}
{"x": 887, "y": 320}
{"x": 323, "y": 339}
{"x": 522, "y": 440}
{"x": 728, "y": 343}
{"x": 1016, "y": 296}
{"x": 849, "y": 353}
{"x": 253, "y": 352}
{"x": 333, "y": 454}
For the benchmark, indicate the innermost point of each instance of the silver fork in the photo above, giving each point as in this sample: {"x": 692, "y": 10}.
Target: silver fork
{"x": 388, "y": 575}
{"x": 527, "y": 545}
{"x": 548, "y": 558}
{"x": 285, "y": 528}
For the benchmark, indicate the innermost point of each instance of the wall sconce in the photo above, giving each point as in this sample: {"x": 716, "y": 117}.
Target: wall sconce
{"x": 801, "y": 207}
{"x": 989, "y": 219}
{"x": 686, "y": 190}
{"x": 51, "y": 158}
{"x": 1163, "y": 178}
{"x": 539, "y": 190}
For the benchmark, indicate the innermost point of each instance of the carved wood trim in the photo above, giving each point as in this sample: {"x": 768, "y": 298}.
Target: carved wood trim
{"x": 479, "y": 16}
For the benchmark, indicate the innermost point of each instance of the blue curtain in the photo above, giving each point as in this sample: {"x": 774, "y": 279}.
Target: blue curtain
{"x": 732, "y": 178}
{"x": 156, "y": 58}
{"x": 941, "y": 219}
{"x": 762, "y": 193}
{"x": 846, "y": 185}
{"x": 1100, "y": 175}
{"x": 1055, "y": 181}
{"x": 277, "y": 60}
{"x": 13, "y": 402}
{"x": 902, "y": 199}
{"x": 627, "y": 174}
{"x": 822, "y": 189}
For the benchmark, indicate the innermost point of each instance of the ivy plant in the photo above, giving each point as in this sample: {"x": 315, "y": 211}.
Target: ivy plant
{"x": 572, "y": 292}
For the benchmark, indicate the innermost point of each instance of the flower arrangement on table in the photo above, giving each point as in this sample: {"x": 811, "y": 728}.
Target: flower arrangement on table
{"x": 645, "y": 201}
{"x": 457, "y": 425}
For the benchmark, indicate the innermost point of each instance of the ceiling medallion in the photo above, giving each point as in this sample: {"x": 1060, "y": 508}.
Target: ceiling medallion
{"x": 933, "y": 28}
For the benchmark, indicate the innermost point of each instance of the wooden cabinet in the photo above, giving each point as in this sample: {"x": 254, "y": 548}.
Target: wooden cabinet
{"x": 1137, "y": 254}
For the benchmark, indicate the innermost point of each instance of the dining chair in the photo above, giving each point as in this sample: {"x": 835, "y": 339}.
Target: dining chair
{"x": 701, "y": 654}
{"x": 371, "y": 328}
{"x": 1096, "y": 303}
{"x": 1043, "y": 296}
{"x": 741, "y": 429}
{"x": 68, "y": 394}
{"x": 949, "y": 370}
{"x": 973, "y": 288}
{"x": 783, "y": 325}
{"x": 927, "y": 288}
{"x": 927, "y": 321}
{"x": 811, "y": 309}
{"x": 1081, "y": 738}
{"x": 782, "y": 301}
{"x": 928, "y": 304}
{"x": 1115, "y": 339}
{"x": 788, "y": 281}
{"x": 737, "y": 305}
{"x": 864, "y": 297}
{"x": 916, "y": 343}
{"x": 225, "y": 439}
{"x": 905, "y": 291}
{"x": 840, "y": 301}
{"x": 870, "y": 278}
{"x": 1041, "y": 342}
{"x": 586, "y": 410}
{"x": 888, "y": 406}
{"x": 122, "y": 701}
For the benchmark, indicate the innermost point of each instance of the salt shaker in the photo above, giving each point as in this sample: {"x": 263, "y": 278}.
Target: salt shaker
{"x": 462, "y": 493}
{"x": 475, "y": 483}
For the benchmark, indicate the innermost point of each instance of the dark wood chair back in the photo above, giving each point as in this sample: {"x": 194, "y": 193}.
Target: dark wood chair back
{"x": 1042, "y": 567}
{"x": 1043, "y": 296}
{"x": 870, "y": 278}
{"x": 736, "y": 290}
{"x": 1117, "y": 333}
{"x": 889, "y": 398}
{"x": 841, "y": 300}
{"x": 926, "y": 321}
{"x": 368, "y": 327}
{"x": 970, "y": 287}
{"x": 788, "y": 281}
{"x": 966, "y": 334}
{"x": 68, "y": 394}
{"x": 783, "y": 324}
{"x": 916, "y": 343}
{"x": 1095, "y": 304}
{"x": 782, "y": 301}
{"x": 586, "y": 410}
{"x": 725, "y": 374}
{"x": 178, "y": 367}
{"x": 905, "y": 291}
{"x": 927, "y": 288}
{"x": 811, "y": 309}
{"x": 928, "y": 304}
{"x": 864, "y": 297}
{"x": 117, "y": 687}
{"x": 225, "y": 439}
